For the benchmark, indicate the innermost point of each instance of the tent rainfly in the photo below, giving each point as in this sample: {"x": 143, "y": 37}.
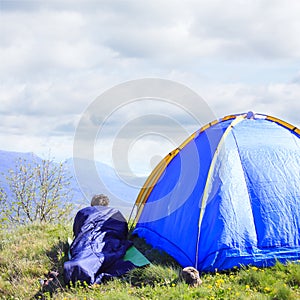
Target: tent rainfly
{"x": 228, "y": 196}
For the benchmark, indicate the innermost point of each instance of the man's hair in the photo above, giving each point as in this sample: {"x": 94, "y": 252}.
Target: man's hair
{"x": 100, "y": 200}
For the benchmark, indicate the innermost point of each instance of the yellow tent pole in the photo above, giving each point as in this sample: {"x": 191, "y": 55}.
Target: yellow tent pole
{"x": 283, "y": 123}
{"x": 158, "y": 170}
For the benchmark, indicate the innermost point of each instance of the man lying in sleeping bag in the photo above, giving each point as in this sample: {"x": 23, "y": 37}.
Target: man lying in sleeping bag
{"x": 99, "y": 245}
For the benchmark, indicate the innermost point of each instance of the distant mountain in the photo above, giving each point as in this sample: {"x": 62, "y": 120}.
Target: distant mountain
{"x": 93, "y": 177}
{"x": 87, "y": 179}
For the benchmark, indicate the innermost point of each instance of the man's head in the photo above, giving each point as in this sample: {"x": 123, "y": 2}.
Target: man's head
{"x": 100, "y": 200}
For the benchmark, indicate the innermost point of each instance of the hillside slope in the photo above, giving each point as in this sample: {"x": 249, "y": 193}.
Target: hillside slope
{"x": 28, "y": 253}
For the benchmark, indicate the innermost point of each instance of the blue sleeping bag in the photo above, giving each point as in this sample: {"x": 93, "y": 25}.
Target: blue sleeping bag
{"x": 99, "y": 246}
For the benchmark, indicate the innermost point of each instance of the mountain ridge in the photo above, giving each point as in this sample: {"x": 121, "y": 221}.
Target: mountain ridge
{"x": 82, "y": 184}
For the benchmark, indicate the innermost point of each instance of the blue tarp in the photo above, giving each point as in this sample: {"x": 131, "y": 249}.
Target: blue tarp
{"x": 99, "y": 246}
{"x": 230, "y": 197}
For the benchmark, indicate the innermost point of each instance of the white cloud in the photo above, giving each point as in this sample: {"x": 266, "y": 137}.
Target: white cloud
{"x": 245, "y": 29}
{"x": 58, "y": 56}
{"x": 279, "y": 100}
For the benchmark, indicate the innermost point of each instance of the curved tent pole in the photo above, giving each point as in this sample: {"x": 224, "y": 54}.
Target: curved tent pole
{"x": 209, "y": 176}
{"x": 284, "y": 124}
{"x": 158, "y": 170}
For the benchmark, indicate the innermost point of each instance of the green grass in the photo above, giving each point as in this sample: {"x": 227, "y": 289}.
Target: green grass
{"x": 28, "y": 253}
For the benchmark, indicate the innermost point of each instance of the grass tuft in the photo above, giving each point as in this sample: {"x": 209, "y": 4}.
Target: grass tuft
{"x": 154, "y": 275}
{"x": 28, "y": 253}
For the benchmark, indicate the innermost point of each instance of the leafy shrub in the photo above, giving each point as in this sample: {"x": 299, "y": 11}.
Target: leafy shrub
{"x": 38, "y": 191}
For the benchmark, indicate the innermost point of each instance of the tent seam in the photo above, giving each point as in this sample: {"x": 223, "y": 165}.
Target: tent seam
{"x": 212, "y": 165}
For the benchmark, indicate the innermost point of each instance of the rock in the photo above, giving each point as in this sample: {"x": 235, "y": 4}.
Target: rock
{"x": 191, "y": 276}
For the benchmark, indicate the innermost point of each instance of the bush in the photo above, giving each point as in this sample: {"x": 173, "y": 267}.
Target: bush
{"x": 37, "y": 191}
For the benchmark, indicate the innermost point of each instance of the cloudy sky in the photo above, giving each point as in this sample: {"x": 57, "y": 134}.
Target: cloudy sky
{"x": 57, "y": 57}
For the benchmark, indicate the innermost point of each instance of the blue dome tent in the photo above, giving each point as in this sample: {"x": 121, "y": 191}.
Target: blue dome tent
{"x": 228, "y": 196}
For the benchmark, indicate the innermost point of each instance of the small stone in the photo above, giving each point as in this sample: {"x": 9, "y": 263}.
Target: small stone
{"x": 191, "y": 276}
